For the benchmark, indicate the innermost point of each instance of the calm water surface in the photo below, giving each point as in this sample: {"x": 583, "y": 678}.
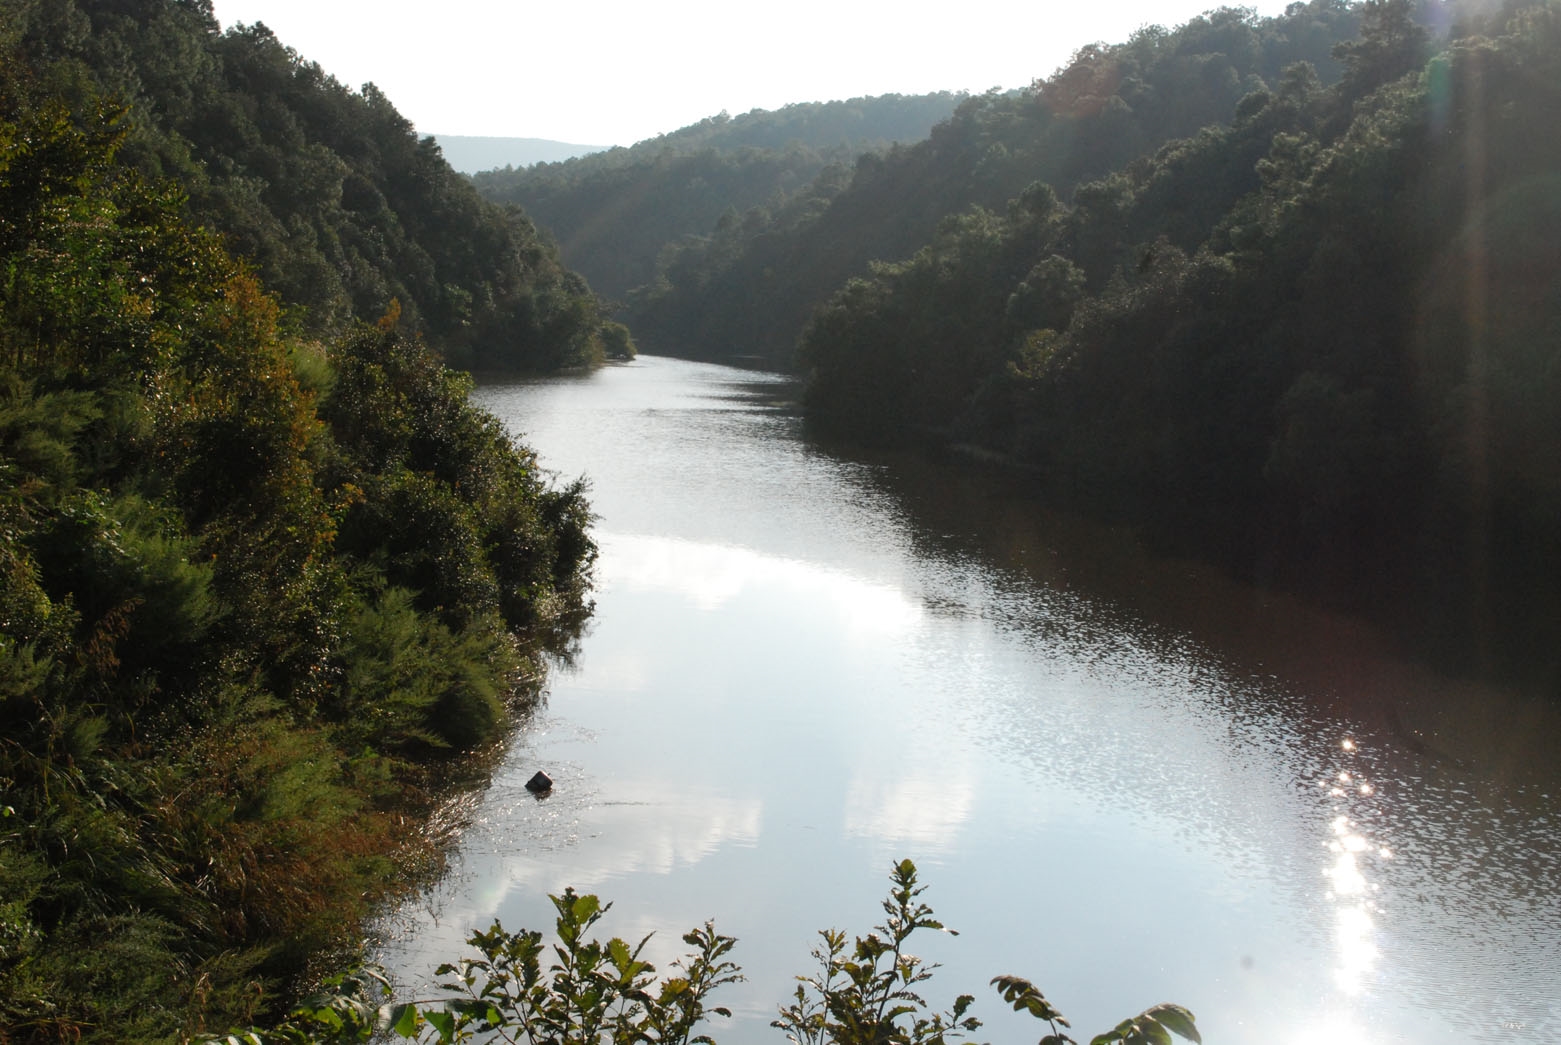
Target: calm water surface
{"x": 1129, "y": 780}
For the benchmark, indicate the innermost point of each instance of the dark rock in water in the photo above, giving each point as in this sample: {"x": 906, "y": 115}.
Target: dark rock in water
{"x": 539, "y": 783}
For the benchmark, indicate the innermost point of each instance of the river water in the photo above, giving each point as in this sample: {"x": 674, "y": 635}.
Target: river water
{"x": 1130, "y": 780}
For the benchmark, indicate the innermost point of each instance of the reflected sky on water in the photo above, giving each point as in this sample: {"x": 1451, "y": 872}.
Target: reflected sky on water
{"x": 1130, "y": 781}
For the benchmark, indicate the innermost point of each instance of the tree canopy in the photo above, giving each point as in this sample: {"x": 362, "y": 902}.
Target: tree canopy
{"x": 329, "y": 193}
{"x": 1315, "y": 341}
{"x": 747, "y": 288}
{"x": 256, "y": 591}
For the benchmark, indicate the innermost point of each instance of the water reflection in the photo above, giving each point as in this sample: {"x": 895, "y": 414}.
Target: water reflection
{"x": 926, "y": 811}
{"x": 1333, "y": 1029}
{"x": 1354, "y": 927}
{"x": 713, "y": 576}
{"x": 806, "y": 664}
{"x": 592, "y": 829}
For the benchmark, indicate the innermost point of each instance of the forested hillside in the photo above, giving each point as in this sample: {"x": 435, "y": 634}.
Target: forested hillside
{"x": 327, "y": 191}
{"x": 260, "y": 596}
{"x": 748, "y": 287}
{"x": 615, "y": 213}
{"x": 1318, "y": 341}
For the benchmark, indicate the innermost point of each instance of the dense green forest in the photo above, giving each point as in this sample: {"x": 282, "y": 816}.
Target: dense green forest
{"x": 615, "y": 213}
{"x": 261, "y": 594}
{"x": 327, "y": 191}
{"x": 748, "y": 286}
{"x": 1317, "y": 341}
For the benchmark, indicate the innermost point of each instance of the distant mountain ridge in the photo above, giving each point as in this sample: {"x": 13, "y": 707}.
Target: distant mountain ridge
{"x": 613, "y": 213}
{"x": 469, "y": 153}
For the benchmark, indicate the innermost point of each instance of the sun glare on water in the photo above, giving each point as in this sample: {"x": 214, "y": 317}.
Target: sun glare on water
{"x": 1336, "y": 1029}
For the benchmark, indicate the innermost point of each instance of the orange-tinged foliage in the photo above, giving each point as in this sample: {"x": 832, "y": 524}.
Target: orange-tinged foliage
{"x": 200, "y": 808}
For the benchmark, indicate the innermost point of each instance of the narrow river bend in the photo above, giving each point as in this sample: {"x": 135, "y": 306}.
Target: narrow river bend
{"x": 1130, "y": 781}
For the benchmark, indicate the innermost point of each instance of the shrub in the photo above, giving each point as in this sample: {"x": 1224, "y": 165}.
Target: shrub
{"x": 594, "y": 993}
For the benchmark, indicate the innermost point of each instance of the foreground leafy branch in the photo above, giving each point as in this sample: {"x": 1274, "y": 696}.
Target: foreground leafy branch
{"x": 1153, "y": 1026}
{"x": 592, "y": 993}
{"x": 867, "y": 995}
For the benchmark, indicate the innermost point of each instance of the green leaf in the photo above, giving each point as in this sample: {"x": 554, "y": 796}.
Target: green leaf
{"x": 443, "y": 1022}
{"x": 1150, "y": 1031}
{"x": 404, "y": 1020}
{"x": 1024, "y": 996}
{"x": 1177, "y": 1019}
{"x": 619, "y": 952}
{"x": 585, "y": 907}
{"x": 328, "y": 1016}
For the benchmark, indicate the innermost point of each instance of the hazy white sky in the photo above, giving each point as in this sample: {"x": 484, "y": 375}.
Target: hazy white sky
{"x": 613, "y": 72}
